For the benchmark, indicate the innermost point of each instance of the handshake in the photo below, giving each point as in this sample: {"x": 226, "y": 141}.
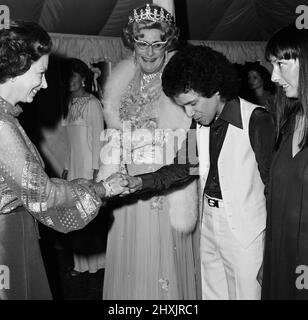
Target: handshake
{"x": 119, "y": 184}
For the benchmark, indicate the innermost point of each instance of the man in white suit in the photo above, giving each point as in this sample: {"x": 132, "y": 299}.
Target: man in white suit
{"x": 234, "y": 141}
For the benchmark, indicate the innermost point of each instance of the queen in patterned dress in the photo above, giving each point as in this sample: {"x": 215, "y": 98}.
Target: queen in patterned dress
{"x": 27, "y": 194}
{"x": 152, "y": 247}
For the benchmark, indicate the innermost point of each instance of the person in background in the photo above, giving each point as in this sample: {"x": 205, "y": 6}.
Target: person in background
{"x": 27, "y": 194}
{"x": 258, "y": 87}
{"x": 152, "y": 247}
{"x": 286, "y": 246}
{"x": 84, "y": 123}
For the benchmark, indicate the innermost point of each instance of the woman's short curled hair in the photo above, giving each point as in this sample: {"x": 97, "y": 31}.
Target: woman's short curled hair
{"x": 22, "y": 44}
{"x": 170, "y": 31}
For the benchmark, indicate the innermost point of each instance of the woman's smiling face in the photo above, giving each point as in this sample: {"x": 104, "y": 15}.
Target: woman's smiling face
{"x": 29, "y": 83}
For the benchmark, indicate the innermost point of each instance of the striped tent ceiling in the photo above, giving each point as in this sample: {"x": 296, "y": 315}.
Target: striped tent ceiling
{"x": 229, "y": 20}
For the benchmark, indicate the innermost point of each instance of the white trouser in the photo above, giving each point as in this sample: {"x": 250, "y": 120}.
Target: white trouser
{"x": 228, "y": 269}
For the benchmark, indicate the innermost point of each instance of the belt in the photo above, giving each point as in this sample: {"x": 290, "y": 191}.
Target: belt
{"x": 213, "y": 202}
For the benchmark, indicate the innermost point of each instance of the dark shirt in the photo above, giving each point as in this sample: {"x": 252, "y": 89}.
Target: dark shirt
{"x": 184, "y": 170}
{"x": 261, "y": 137}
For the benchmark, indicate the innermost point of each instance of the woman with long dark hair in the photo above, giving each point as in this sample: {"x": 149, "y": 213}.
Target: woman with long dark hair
{"x": 286, "y": 248}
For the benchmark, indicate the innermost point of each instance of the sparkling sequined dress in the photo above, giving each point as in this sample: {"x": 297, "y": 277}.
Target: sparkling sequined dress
{"x": 147, "y": 258}
{"x": 84, "y": 124}
{"x": 27, "y": 195}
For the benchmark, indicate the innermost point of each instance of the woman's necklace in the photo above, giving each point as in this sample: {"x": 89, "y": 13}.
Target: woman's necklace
{"x": 147, "y": 78}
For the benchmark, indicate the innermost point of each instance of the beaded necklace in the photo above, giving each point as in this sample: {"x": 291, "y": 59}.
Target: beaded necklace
{"x": 147, "y": 78}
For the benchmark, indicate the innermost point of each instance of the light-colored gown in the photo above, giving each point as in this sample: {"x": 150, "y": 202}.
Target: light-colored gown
{"x": 151, "y": 250}
{"x": 27, "y": 195}
{"x": 84, "y": 124}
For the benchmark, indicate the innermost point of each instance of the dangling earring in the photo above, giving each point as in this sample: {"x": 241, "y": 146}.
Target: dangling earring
{"x": 82, "y": 84}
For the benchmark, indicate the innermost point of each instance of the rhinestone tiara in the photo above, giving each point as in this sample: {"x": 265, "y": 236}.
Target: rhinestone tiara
{"x": 152, "y": 14}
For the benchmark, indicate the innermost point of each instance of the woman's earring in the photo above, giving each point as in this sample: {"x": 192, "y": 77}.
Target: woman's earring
{"x": 82, "y": 84}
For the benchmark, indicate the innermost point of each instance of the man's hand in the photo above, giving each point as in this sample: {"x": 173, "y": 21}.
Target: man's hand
{"x": 134, "y": 183}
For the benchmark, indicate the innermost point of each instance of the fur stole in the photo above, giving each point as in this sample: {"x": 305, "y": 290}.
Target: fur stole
{"x": 183, "y": 202}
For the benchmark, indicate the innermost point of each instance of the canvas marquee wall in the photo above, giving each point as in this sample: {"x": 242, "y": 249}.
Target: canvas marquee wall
{"x": 89, "y": 48}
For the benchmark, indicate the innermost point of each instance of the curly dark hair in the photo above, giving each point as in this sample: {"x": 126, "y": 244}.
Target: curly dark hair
{"x": 203, "y": 70}
{"x": 20, "y": 45}
{"x": 170, "y": 31}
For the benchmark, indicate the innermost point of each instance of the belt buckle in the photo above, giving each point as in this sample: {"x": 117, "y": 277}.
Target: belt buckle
{"x": 213, "y": 203}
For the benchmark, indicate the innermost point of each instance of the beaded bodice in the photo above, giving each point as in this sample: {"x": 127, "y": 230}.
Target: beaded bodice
{"x": 76, "y": 109}
{"x": 140, "y": 102}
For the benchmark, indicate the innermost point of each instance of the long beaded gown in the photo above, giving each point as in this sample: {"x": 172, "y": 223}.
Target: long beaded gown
{"x": 150, "y": 253}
